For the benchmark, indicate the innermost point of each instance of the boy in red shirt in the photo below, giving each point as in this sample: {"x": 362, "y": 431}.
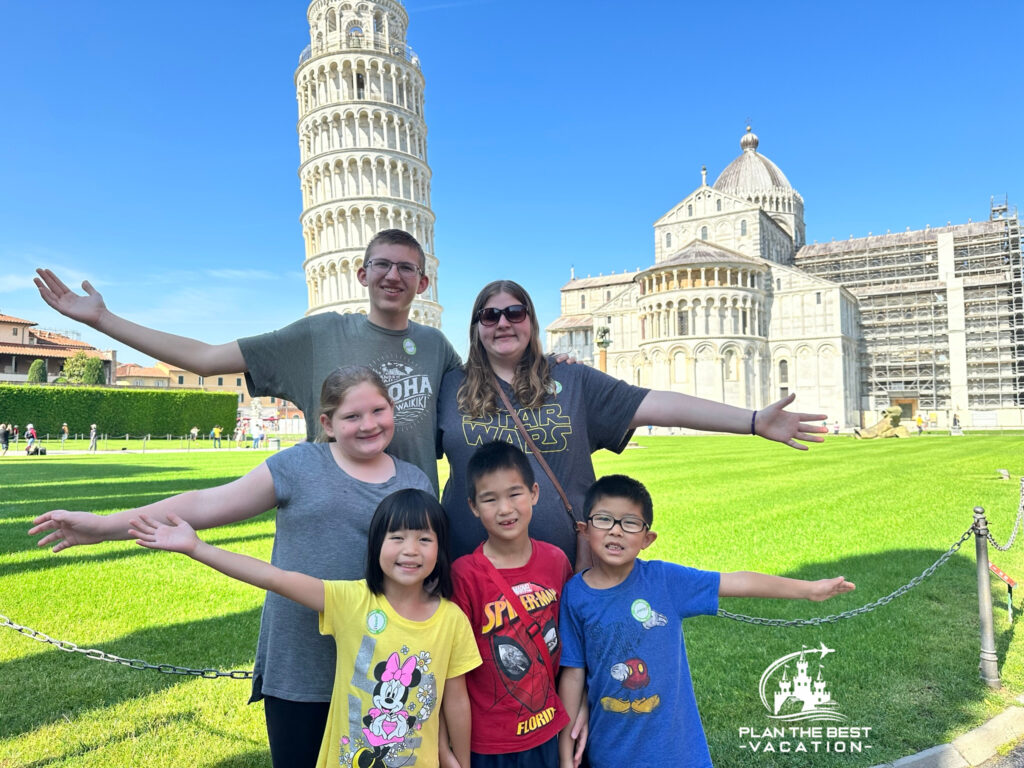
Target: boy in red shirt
{"x": 509, "y": 587}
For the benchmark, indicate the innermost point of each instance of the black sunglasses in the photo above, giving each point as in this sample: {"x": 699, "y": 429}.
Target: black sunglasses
{"x": 515, "y": 313}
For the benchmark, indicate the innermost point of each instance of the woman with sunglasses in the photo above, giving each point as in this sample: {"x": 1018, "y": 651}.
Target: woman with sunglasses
{"x": 569, "y": 411}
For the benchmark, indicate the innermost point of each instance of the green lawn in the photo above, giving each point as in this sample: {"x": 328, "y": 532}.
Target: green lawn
{"x": 877, "y": 512}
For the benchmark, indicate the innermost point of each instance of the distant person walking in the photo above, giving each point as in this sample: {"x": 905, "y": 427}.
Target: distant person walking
{"x": 16, "y": 433}
{"x": 30, "y": 437}
{"x": 920, "y": 425}
{"x": 5, "y": 438}
{"x": 257, "y": 436}
{"x": 63, "y": 434}
{"x": 193, "y": 433}
{"x": 92, "y": 438}
{"x": 216, "y": 432}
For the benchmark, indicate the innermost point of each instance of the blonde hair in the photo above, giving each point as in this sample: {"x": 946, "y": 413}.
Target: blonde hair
{"x": 338, "y": 384}
{"x": 477, "y": 397}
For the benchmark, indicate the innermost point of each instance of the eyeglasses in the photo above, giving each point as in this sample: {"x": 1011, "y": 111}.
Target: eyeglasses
{"x": 515, "y": 313}
{"x": 628, "y": 524}
{"x": 383, "y": 266}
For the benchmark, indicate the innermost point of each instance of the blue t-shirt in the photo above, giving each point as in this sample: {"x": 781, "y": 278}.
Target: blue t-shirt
{"x": 630, "y": 639}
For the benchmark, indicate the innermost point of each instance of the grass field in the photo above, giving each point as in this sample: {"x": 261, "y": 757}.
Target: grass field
{"x": 876, "y": 512}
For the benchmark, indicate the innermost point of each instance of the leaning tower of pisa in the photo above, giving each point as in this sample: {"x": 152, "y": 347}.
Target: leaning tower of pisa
{"x": 363, "y": 149}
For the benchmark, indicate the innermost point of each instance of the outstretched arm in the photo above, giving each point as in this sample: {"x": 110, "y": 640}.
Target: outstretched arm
{"x": 240, "y": 499}
{"x": 674, "y": 409}
{"x": 751, "y": 584}
{"x": 455, "y": 705}
{"x": 177, "y": 536}
{"x": 190, "y": 354}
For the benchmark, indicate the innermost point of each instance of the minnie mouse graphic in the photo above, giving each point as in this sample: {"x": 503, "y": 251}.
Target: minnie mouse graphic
{"x": 387, "y": 722}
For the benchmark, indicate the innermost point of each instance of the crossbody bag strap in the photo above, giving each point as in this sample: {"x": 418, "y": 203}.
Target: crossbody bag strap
{"x": 535, "y": 450}
{"x": 533, "y": 629}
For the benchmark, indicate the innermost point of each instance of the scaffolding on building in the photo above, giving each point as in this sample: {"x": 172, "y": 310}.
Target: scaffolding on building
{"x": 905, "y": 315}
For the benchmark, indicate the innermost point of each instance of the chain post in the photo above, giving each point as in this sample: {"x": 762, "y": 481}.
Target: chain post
{"x": 989, "y": 664}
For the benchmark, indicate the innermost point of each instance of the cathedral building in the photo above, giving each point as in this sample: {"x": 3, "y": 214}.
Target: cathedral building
{"x": 738, "y": 308}
{"x": 363, "y": 149}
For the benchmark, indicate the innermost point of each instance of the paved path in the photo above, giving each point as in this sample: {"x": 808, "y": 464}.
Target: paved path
{"x": 977, "y": 747}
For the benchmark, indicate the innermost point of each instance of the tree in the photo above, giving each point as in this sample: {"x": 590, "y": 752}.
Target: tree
{"x": 80, "y": 368}
{"x": 37, "y": 372}
{"x": 93, "y": 373}
{"x": 74, "y": 367}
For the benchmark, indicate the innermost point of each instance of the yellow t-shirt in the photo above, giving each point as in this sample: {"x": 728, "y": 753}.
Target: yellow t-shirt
{"x": 390, "y": 675}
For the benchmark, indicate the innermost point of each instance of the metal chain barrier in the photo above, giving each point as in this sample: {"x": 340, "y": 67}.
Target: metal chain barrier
{"x": 856, "y": 611}
{"x": 98, "y": 655}
{"x": 1016, "y": 523}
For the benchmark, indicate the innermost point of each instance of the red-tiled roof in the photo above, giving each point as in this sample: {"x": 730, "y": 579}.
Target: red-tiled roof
{"x": 52, "y": 337}
{"x": 133, "y": 369}
{"x": 44, "y": 350}
{"x": 16, "y": 320}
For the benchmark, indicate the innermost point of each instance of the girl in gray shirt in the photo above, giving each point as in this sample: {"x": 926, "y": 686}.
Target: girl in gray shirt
{"x": 325, "y": 493}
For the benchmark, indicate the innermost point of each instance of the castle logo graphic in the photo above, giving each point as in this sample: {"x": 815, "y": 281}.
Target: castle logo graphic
{"x": 798, "y": 696}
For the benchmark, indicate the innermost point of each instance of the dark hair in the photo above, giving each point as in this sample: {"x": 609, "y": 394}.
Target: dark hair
{"x": 620, "y": 487}
{"x": 413, "y": 510}
{"x": 491, "y": 457}
{"x": 396, "y": 237}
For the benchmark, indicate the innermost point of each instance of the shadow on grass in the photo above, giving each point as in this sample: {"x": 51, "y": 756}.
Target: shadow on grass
{"x": 33, "y": 501}
{"x": 128, "y": 550}
{"x": 251, "y": 759}
{"x": 908, "y": 669}
{"x": 57, "y": 471}
{"x": 179, "y": 721}
{"x": 64, "y": 685}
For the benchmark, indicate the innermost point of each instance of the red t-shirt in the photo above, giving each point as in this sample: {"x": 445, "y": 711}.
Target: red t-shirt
{"x": 515, "y": 705}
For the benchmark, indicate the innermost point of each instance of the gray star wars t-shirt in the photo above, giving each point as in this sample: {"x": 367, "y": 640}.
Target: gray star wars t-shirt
{"x": 586, "y": 411}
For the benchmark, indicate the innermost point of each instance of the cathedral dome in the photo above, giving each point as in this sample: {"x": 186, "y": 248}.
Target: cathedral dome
{"x": 751, "y": 174}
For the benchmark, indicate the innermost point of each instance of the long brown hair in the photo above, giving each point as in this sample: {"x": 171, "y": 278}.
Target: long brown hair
{"x": 338, "y": 384}
{"x": 477, "y": 397}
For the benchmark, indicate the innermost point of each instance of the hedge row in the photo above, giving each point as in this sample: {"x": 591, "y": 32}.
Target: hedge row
{"x": 116, "y": 411}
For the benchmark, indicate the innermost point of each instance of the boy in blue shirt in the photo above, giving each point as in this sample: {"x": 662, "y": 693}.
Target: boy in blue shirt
{"x": 621, "y": 626}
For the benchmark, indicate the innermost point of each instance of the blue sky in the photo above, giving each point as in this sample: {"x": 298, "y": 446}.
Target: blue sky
{"x": 152, "y": 148}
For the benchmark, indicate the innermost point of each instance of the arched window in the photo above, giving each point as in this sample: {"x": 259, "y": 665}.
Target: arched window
{"x": 679, "y": 366}
{"x": 731, "y": 366}
{"x": 689, "y": 210}
{"x": 743, "y": 228}
{"x": 668, "y": 239}
{"x": 783, "y": 371}
{"x": 718, "y": 204}
{"x": 703, "y": 233}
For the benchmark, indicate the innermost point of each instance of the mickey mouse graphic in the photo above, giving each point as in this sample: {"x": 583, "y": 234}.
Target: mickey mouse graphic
{"x": 387, "y": 721}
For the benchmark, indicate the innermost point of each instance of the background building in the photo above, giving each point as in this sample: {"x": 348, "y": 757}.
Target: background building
{"x": 363, "y": 149}
{"x": 738, "y": 308}
{"x": 21, "y": 343}
{"x": 273, "y": 412}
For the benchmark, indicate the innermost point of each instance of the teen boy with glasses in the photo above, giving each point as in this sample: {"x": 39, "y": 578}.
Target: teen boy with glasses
{"x": 291, "y": 363}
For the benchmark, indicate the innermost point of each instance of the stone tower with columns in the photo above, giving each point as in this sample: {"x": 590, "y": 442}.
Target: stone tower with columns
{"x": 363, "y": 149}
